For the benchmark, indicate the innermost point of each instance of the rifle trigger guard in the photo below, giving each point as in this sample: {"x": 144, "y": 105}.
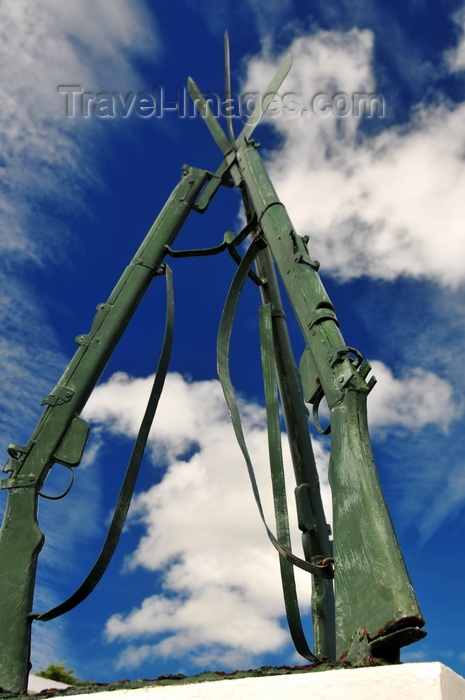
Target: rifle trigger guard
{"x": 66, "y": 491}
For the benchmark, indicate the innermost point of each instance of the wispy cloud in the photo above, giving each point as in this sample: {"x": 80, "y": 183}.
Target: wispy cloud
{"x": 42, "y": 155}
{"x": 24, "y": 327}
{"x": 418, "y": 399}
{"x": 456, "y": 57}
{"x": 448, "y": 501}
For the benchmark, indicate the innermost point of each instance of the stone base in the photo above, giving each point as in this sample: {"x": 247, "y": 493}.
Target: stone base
{"x": 419, "y": 681}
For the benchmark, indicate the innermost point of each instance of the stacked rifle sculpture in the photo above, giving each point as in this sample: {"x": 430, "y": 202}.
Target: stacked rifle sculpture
{"x": 372, "y": 611}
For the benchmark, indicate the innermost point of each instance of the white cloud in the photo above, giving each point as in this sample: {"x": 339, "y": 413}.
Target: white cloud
{"x": 179, "y": 420}
{"x": 418, "y": 399}
{"x": 384, "y": 205}
{"x": 413, "y": 401}
{"x": 269, "y": 16}
{"x": 456, "y": 57}
{"x": 221, "y": 600}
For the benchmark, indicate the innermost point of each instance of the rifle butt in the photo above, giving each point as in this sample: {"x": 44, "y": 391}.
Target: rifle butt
{"x": 19, "y": 551}
{"x": 373, "y": 588}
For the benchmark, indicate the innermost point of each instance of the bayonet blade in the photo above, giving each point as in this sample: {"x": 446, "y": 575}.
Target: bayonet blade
{"x": 209, "y": 119}
{"x": 227, "y": 89}
{"x": 262, "y": 105}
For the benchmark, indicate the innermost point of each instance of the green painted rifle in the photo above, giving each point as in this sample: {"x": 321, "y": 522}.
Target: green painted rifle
{"x": 376, "y": 610}
{"x": 61, "y": 435}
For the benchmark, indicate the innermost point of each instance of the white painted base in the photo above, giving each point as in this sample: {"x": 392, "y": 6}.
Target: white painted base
{"x": 36, "y": 684}
{"x": 425, "y": 681}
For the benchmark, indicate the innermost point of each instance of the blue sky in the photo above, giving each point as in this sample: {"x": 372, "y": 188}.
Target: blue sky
{"x": 195, "y": 582}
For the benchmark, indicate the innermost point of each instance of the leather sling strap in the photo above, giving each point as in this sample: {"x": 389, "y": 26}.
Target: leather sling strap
{"x": 278, "y": 482}
{"x": 223, "y": 343}
{"x": 129, "y": 482}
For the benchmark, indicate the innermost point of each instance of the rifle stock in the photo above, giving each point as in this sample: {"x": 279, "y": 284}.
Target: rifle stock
{"x": 60, "y": 435}
{"x": 373, "y": 589}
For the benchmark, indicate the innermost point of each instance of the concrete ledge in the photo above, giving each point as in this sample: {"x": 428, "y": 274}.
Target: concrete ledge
{"x": 37, "y": 684}
{"x": 423, "y": 681}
